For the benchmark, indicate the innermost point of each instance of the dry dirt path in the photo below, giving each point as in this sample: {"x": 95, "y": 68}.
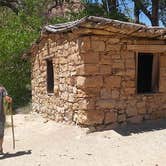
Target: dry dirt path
{"x": 40, "y": 143}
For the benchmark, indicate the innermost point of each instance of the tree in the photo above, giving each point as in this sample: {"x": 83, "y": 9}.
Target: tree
{"x": 136, "y": 13}
{"x": 17, "y": 32}
{"x": 14, "y": 5}
{"x": 112, "y": 6}
{"x": 152, "y": 14}
{"x": 162, "y": 12}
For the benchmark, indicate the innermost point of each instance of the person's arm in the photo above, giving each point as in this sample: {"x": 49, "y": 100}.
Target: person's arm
{"x": 5, "y": 92}
{"x": 6, "y": 96}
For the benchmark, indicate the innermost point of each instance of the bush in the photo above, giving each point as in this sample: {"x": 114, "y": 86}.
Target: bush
{"x": 15, "y": 38}
{"x": 18, "y": 32}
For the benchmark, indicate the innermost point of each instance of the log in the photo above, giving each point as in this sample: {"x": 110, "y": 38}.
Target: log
{"x": 147, "y": 48}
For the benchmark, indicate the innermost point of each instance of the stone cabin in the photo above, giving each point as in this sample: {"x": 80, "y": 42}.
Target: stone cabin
{"x": 98, "y": 71}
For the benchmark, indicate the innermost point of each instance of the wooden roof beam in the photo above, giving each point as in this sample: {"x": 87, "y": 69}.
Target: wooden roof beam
{"x": 147, "y": 48}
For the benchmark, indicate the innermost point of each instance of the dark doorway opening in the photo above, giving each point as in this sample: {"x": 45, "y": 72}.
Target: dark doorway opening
{"x": 144, "y": 75}
{"x": 50, "y": 76}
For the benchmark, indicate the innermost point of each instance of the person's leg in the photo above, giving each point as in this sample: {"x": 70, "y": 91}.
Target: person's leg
{"x": 1, "y": 145}
{"x": 2, "y": 125}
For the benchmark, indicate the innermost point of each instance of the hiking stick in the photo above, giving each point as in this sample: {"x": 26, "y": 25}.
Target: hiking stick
{"x": 11, "y": 111}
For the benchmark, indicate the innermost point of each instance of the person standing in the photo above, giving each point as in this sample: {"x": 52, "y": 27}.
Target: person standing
{"x": 3, "y": 95}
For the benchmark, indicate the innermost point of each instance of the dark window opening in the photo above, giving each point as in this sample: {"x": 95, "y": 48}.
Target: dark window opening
{"x": 147, "y": 73}
{"x": 50, "y": 76}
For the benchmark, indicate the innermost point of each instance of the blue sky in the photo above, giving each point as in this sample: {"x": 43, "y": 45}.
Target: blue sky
{"x": 127, "y": 8}
{"x": 143, "y": 17}
{"x": 130, "y": 6}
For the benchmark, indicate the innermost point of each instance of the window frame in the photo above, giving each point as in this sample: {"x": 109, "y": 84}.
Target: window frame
{"x": 156, "y": 90}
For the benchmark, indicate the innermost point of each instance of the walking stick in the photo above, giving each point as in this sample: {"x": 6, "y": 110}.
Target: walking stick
{"x": 11, "y": 111}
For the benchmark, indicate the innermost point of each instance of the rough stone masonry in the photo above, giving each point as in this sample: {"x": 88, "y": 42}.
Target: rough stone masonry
{"x": 95, "y": 76}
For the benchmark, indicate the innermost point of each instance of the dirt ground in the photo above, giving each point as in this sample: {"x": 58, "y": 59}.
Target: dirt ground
{"x": 42, "y": 143}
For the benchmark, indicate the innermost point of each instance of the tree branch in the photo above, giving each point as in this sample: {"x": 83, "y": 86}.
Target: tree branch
{"x": 141, "y": 6}
{"x": 136, "y": 14}
{"x": 155, "y": 12}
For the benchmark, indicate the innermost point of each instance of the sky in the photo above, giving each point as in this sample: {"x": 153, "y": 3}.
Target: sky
{"x": 143, "y": 17}
{"x": 129, "y": 5}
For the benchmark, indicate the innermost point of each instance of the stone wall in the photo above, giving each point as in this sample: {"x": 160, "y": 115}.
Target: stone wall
{"x": 95, "y": 81}
{"x": 107, "y": 82}
{"x": 65, "y": 55}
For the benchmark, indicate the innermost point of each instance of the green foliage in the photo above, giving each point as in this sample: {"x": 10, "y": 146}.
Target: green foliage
{"x": 16, "y": 35}
{"x": 17, "y": 32}
{"x": 90, "y": 9}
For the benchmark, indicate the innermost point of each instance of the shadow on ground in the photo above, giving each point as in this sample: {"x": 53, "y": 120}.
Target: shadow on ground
{"x": 128, "y": 129}
{"x": 17, "y": 154}
{"x": 141, "y": 128}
